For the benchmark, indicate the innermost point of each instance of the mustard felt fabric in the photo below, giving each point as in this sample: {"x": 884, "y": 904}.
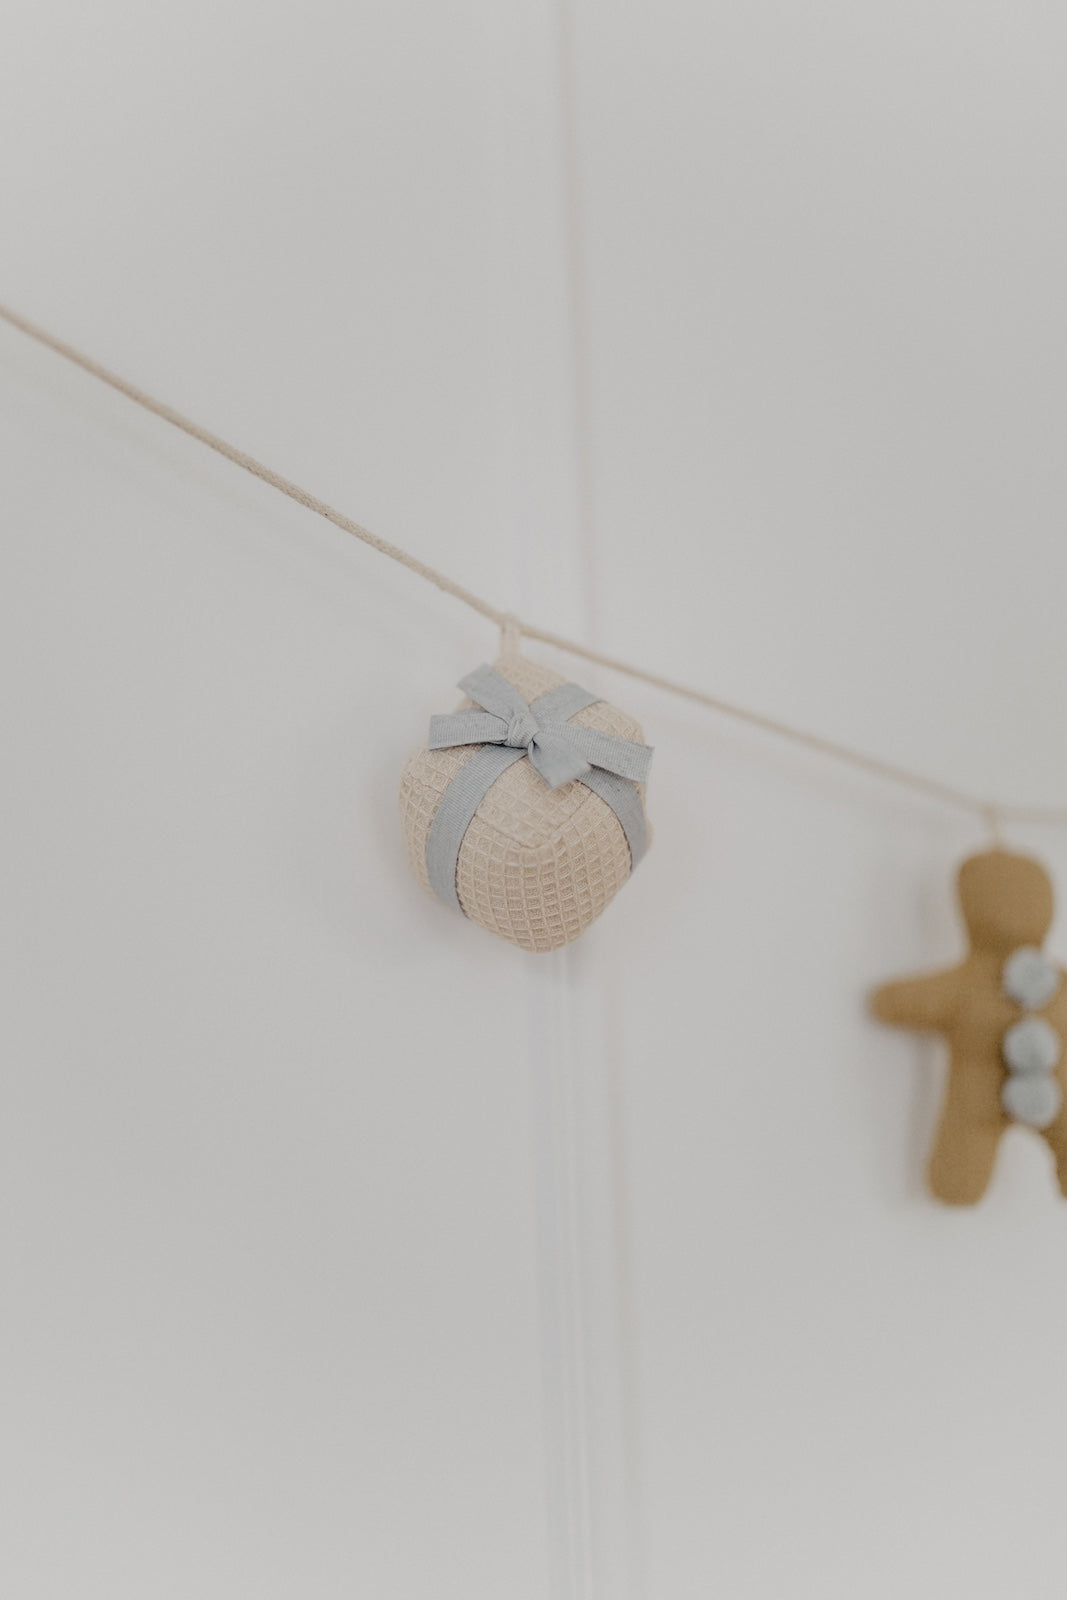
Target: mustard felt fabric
{"x": 1007, "y": 902}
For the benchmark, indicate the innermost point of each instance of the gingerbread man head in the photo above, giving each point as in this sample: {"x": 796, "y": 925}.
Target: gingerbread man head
{"x": 1006, "y": 900}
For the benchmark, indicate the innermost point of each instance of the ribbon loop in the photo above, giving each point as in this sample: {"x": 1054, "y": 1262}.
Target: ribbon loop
{"x": 465, "y": 727}
{"x": 493, "y": 693}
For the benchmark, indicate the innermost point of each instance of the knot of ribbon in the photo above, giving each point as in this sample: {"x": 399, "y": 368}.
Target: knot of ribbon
{"x": 559, "y": 752}
{"x": 522, "y": 731}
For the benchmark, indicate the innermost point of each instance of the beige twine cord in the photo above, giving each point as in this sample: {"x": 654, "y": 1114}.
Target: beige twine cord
{"x": 513, "y": 628}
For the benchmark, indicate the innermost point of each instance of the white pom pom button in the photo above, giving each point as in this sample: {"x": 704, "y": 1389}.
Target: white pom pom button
{"x": 1029, "y": 978}
{"x": 1033, "y": 1098}
{"x": 1032, "y": 1045}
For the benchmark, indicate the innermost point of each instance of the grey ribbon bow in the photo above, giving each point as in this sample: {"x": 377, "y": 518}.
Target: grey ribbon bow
{"x": 508, "y": 728}
{"x": 559, "y": 751}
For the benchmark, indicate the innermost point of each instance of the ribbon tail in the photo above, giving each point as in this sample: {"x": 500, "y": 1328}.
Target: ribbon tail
{"x": 557, "y": 761}
{"x": 608, "y": 750}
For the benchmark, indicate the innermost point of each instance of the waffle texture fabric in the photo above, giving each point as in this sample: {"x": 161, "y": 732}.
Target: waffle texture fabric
{"x": 537, "y": 865}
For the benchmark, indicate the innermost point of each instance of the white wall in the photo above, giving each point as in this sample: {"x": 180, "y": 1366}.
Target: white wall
{"x": 344, "y": 1252}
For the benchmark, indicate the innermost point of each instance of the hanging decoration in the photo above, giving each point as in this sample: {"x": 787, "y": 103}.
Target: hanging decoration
{"x": 1003, "y": 1013}
{"x": 525, "y": 809}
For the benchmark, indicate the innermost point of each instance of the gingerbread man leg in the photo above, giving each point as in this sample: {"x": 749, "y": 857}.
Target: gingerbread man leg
{"x": 971, "y": 1125}
{"x": 1057, "y": 1138}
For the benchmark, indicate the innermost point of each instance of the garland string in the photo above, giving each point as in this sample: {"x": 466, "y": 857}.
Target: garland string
{"x": 993, "y": 812}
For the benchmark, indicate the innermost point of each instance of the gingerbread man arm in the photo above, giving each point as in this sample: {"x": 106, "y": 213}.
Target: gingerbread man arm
{"x": 926, "y": 1002}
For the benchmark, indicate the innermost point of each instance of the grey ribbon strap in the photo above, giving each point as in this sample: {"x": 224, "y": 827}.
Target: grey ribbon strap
{"x": 509, "y": 728}
{"x": 625, "y": 801}
{"x": 453, "y": 816}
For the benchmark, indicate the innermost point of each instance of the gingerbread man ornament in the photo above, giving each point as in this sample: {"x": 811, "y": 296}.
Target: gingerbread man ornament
{"x": 1003, "y": 1011}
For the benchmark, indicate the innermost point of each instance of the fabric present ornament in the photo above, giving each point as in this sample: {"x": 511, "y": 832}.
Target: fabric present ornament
{"x": 525, "y": 809}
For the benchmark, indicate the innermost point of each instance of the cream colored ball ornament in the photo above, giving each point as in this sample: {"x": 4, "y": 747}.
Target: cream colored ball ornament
{"x": 525, "y": 810}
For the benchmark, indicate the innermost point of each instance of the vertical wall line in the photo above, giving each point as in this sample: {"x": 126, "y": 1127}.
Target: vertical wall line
{"x": 578, "y": 310}
{"x": 600, "y": 1222}
{"x": 623, "y": 1301}
{"x": 579, "y": 1162}
{"x": 541, "y": 508}
{"x": 571, "y": 1070}
{"x": 564, "y": 1343}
